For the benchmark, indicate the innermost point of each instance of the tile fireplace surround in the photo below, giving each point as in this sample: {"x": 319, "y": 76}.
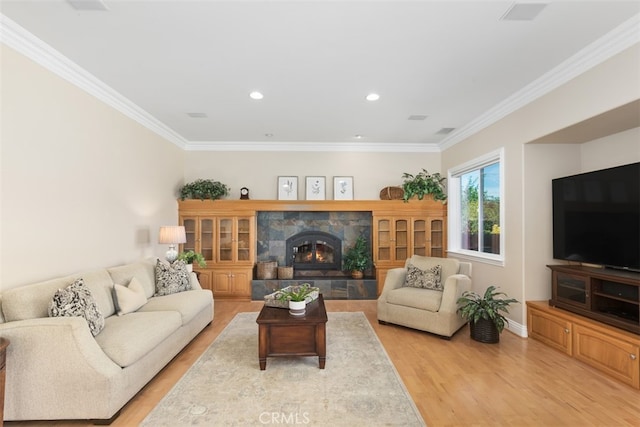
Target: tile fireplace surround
{"x": 274, "y": 228}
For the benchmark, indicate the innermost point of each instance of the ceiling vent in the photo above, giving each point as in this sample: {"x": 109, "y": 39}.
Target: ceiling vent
{"x": 87, "y": 4}
{"x": 523, "y": 11}
{"x": 445, "y": 131}
{"x": 197, "y": 115}
{"x": 417, "y": 117}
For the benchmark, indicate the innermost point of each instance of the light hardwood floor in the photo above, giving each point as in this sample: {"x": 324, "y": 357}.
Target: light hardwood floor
{"x": 518, "y": 382}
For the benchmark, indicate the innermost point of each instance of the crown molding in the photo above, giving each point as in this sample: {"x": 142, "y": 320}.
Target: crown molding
{"x": 21, "y": 40}
{"x": 375, "y": 147}
{"x": 619, "y": 39}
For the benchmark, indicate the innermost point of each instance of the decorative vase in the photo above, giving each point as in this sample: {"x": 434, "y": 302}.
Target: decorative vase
{"x": 297, "y": 308}
{"x": 357, "y": 274}
{"x": 484, "y": 330}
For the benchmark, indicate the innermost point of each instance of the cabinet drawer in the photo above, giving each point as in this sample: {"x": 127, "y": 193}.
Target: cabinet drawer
{"x": 551, "y": 330}
{"x": 616, "y": 357}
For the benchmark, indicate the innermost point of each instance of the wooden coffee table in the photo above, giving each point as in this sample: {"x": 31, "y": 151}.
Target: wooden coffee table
{"x": 282, "y": 334}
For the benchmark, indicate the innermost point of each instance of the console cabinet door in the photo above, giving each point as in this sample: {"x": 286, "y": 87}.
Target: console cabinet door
{"x": 615, "y": 357}
{"x": 551, "y": 330}
{"x": 232, "y": 283}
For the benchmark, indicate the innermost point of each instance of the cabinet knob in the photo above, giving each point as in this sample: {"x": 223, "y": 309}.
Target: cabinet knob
{"x": 566, "y": 331}
{"x": 632, "y": 356}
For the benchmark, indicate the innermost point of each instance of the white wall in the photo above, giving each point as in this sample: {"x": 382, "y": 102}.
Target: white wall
{"x": 528, "y": 170}
{"x": 259, "y": 171}
{"x": 615, "y": 150}
{"x": 82, "y": 186}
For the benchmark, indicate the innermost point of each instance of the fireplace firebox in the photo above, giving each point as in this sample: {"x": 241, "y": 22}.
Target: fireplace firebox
{"x": 314, "y": 250}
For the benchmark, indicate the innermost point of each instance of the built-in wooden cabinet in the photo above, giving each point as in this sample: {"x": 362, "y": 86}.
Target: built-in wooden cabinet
{"x": 611, "y": 350}
{"x": 227, "y": 241}
{"x": 224, "y": 232}
{"x": 398, "y": 237}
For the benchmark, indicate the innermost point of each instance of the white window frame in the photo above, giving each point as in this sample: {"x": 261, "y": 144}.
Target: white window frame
{"x": 455, "y": 216}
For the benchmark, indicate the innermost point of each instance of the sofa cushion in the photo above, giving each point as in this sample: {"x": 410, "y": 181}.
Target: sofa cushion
{"x": 426, "y": 279}
{"x": 171, "y": 278}
{"x": 125, "y": 339}
{"x": 76, "y": 301}
{"x": 144, "y": 271}
{"x": 188, "y": 303}
{"x": 423, "y": 299}
{"x": 128, "y": 299}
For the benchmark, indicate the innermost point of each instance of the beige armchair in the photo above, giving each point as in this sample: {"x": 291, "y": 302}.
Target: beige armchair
{"x": 428, "y": 310}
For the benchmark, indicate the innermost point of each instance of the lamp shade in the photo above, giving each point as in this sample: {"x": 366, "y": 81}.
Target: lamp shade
{"x": 172, "y": 234}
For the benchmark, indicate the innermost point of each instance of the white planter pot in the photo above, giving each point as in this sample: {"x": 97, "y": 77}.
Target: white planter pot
{"x": 189, "y": 268}
{"x": 297, "y": 308}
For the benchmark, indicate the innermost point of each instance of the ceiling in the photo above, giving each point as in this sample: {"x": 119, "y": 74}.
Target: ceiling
{"x": 442, "y": 69}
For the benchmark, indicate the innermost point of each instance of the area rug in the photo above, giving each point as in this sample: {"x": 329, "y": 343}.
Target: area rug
{"x": 225, "y": 387}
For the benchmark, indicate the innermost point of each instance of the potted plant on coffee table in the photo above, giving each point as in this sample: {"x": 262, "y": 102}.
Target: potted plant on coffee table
{"x": 189, "y": 257}
{"x": 484, "y": 313}
{"x": 297, "y": 298}
{"x": 357, "y": 258}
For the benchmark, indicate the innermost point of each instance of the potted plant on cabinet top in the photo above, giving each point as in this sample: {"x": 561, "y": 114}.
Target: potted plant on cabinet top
{"x": 484, "y": 313}
{"x": 204, "y": 189}
{"x": 357, "y": 259}
{"x": 297, "y": 297}
{"x": 189, "y": 257}
{"x": 422, "y": 184}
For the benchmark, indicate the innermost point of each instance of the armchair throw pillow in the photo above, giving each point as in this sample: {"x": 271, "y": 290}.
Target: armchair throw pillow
{"x": 426, "y": 279}
{"x": 171, "y": 278}
{"x": 76, "y": 300}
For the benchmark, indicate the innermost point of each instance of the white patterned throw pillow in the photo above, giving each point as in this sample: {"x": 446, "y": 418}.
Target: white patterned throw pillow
{"x": 426, "y": 279}
{"x": 171, "y": 279}
{"x": 76, "y": 300}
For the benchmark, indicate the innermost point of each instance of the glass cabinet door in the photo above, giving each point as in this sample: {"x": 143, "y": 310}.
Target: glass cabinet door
{"x": 420, "y": 240}
{"x": 437, "y": 238}
{"x": 384, "y": 240}
{"x": 243, "y": 239}
{"x": 190, "y": 233}
{"x": 207, "y": 237}
{"x": 401, "y": 239}
{"x": 225, "y": 239}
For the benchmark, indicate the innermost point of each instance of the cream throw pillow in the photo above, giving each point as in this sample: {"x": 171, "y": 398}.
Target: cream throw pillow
{"x": 129, "y": 298}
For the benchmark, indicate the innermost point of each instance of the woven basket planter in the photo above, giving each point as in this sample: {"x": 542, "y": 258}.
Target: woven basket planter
{"x": 484, "y": 331}
{"x": 391, "y": 193}
{"x": 267, "y": 270}
{"x": 285, "y": 272}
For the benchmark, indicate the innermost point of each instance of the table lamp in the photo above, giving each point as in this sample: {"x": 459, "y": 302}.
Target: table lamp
{"x": 172, "y": 235}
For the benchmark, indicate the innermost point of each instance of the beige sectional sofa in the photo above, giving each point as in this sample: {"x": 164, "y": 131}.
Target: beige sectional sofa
{"x": 56, "y": 368}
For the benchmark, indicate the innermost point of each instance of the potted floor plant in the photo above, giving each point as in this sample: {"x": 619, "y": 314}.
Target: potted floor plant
{"x": 190, "y": 257}
{"x": 297, "y": 298}
{"x": 422, "y": 184}
{"x": 357, "y": 258}
{"x": 484, "y": 313}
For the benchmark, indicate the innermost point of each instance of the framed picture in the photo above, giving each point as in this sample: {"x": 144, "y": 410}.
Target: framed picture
{"x": 287, "y": 188}
{"x": 315, "y": 186}
{"x": 342, "y": 188}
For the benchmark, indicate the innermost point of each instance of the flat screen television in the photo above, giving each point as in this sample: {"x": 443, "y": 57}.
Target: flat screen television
{"x": 596, "y": 217}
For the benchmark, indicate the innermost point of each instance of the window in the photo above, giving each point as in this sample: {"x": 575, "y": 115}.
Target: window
{"x": 476, "y": 210}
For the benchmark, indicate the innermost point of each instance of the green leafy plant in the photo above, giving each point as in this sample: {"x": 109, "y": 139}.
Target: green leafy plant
{"x": 357, "y": 258}
{"x": 295, "y": 293}
{"x": 474, "y": 307}
{"x": 422, "y": 184}
{"x": 191, "y": 257}
{"x": 204, "y": 189}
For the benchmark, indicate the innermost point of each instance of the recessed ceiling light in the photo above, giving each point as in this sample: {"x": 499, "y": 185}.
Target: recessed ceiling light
{"x": 523, "y": 11}
{"x": 358, "y": 136}
{"x": 418, "y": 117}
{"x": 256, "y": 95}
{"x": 373, "y": 97}
{"x": 268, "y": 135}
{"x": 87, "y": 4}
